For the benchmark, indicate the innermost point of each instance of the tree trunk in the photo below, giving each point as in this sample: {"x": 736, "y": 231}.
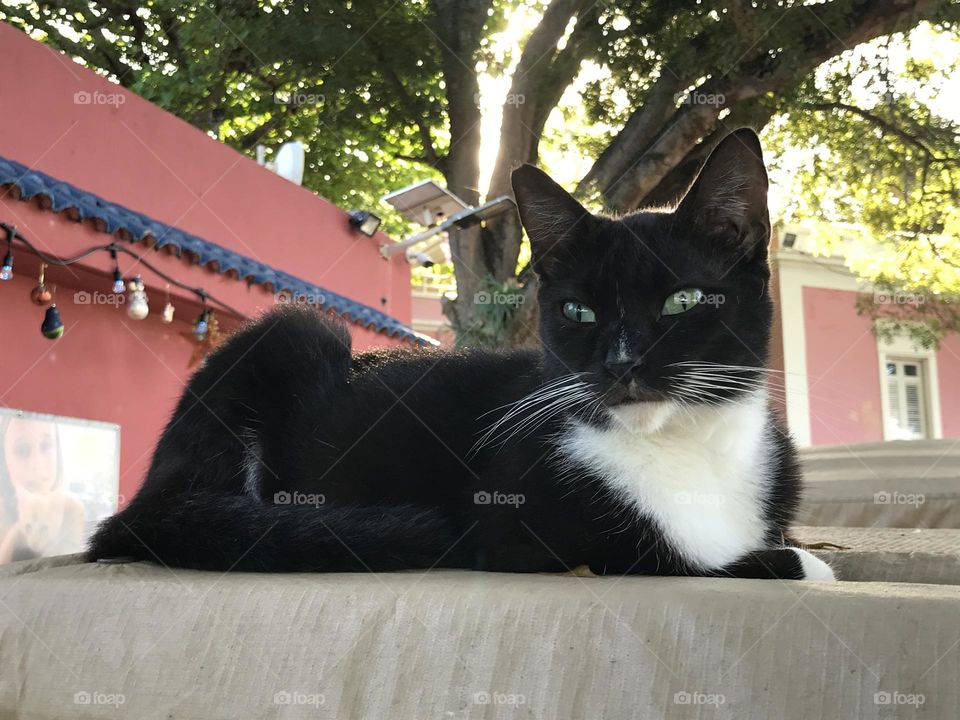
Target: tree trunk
{"x": 542, "y": 74}
{"x": 458, "y": 26}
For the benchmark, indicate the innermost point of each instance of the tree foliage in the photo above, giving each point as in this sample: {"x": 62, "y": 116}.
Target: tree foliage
{"x": 879, "y": 153}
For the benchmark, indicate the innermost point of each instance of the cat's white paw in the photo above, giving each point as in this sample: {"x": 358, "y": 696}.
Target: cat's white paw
{"x": 813, "y": 567}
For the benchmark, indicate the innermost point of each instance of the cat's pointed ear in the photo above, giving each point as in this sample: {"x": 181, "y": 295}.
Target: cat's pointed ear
{"x": 550, "y": 215}
{"x": 728, "y": 200}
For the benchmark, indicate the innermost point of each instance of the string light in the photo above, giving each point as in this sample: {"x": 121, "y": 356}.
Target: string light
{"x": 137, "y": 306}
{"x": 6, "y": 270}
{"x": 52, "y": 326}
{"x": 117, "y": 275}
{"x": 41, "y": 294}
{"x": 168, "y": 309}
{"x": 202, "y": 324}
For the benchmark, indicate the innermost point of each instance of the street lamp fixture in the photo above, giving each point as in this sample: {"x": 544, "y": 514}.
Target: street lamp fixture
{"x": 365, "y": 222}
{"x": 439, "y": 210}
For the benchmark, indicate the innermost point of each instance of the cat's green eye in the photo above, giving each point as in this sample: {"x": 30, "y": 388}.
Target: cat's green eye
{"x": 578, "y": 312}
{"x": 681, "y": 301}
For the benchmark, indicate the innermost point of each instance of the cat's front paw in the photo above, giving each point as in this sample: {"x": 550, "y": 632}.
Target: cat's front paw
{"x": 813, "y": 567}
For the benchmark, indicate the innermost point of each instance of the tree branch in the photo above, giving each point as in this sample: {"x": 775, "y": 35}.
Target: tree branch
{"x": 757, "y": 74}
{"x": 639, "y": 131}
{"x": 887, "y": 127}
{"x": 542, "y": 74}
{"x": 669, "y": 191}
{"x": 251, "y": 139}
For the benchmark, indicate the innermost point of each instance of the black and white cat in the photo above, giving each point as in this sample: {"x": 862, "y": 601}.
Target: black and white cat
{"x": 639, "y": 440}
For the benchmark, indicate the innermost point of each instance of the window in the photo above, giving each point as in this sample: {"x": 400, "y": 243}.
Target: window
{"x": 906, "y": 411}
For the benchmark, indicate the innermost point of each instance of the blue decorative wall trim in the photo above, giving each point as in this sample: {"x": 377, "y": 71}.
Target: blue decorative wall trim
{"x": 115, "y": 218}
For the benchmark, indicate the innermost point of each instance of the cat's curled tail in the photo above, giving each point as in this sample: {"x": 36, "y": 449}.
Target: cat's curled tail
{"x": 202, "y": 505}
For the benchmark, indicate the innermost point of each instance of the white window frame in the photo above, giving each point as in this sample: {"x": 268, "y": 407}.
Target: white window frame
{"x": 903, "y": 348}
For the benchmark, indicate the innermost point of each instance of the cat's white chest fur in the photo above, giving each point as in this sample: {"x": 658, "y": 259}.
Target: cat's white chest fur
{"x": 699, "y": 473}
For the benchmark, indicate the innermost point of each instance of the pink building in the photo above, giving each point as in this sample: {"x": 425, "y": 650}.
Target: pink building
{"x": 427, "y": 311}
{"x": 84, "y": 163}
{"x": 844, "y": 385}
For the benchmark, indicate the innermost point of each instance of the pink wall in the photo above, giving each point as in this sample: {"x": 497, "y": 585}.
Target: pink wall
{"x": 948, "y": 369}
{"x": 844, "y": 375}
{"x": 107, "y": 367}
{"x": 842, "y": 370}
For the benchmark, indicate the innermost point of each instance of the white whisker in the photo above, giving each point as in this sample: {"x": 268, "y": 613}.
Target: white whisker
{"x": 530, "y": 412}
{"x": 533, "y": 422}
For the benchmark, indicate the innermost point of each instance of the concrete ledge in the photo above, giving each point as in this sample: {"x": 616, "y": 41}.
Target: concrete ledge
{"x": 185, "y": 644}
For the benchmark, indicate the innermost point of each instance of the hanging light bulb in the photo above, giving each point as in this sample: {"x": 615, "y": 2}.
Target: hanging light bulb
{"x": 6, "y": 270}
{"x": 41, "y": 294}
{"x": 201, "y": 325}
{"x": 118, "y": 283}
{"x": 52, "y": 326}
{"x": 137, "y": 304}
{"x": 168, "y": 309}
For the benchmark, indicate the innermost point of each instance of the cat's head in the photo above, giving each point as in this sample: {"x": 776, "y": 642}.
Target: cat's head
{"x": 667, "y": 306}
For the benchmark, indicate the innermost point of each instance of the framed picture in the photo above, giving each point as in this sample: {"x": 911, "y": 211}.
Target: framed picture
{"x": 59, "y": 477}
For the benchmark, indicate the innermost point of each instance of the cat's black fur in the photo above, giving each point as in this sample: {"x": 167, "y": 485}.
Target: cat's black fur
{"x": 384, "y": 440}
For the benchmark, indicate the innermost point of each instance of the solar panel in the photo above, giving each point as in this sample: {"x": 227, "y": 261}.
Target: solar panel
{"x": 425, "y": 203}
